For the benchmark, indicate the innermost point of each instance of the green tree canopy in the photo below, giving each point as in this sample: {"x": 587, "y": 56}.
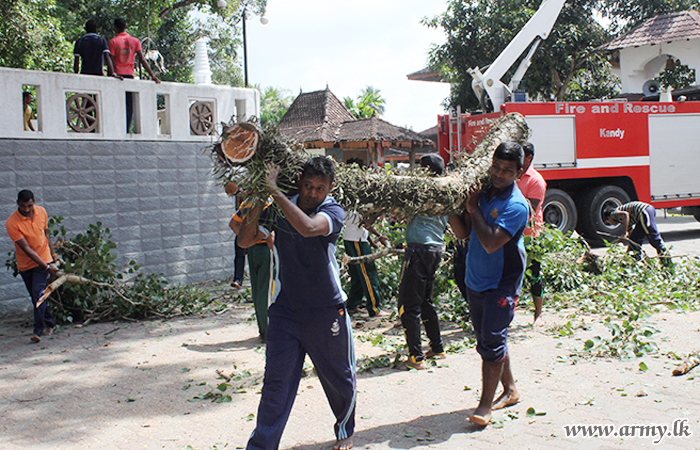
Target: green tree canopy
{"x": 274, "y": 102}
{"x": 369, "y": 103}
{"x": 477, "y": 32}
{"x": 31, "y": 37}
{"x": 39, "y": 34}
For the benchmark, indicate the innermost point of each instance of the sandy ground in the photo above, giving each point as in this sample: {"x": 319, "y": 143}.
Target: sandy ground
{"x": 132, "y": 386}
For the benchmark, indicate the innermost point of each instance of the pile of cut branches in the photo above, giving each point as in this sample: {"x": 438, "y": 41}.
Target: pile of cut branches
{"x": 91, "y": 288}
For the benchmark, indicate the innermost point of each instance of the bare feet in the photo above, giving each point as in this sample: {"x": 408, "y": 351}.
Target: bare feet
{"x": 480, "y": 419}
{"x": 506, "y": 399}
{"x": 35, "y": 339}
{"x": 343, "y": 444}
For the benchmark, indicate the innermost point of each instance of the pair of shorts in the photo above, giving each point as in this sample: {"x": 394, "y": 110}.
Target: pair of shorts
{"x": 491, "y": 312}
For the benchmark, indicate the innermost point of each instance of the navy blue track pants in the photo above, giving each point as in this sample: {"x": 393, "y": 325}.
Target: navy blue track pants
{"x": 325, "y": 334}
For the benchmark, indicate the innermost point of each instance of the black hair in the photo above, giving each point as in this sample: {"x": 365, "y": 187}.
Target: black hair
{"x": 433, "y": 162}
{"x": 24, "y": 196}
{"x": 26, "y": 94}
{"x": 319, "y": 166}
{"x": 528, "y": 149}
{"x": 120, "y": 24}
{"x": 510, "y": 151}
{"x": 91, "y": 26}
{"x": 357, "y": 161}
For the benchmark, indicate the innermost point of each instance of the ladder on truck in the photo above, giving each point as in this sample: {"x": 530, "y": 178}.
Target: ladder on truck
{"x": 454, "y": 131}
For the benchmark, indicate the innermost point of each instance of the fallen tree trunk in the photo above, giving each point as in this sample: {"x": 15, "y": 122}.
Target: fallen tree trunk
{"x": 77, "y": 279}
{"x": 374, "y": 193}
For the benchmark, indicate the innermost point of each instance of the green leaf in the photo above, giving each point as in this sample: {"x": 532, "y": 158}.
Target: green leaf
{"x": 533, "y": 412}
{"x": 643, "y": 367}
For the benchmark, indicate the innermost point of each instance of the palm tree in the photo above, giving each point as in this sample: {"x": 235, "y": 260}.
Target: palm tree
{"x": 274, "y": 102}
{"x": 369, "y": 103}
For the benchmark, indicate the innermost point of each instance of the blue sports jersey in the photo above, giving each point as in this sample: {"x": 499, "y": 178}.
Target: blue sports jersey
{"x": 308, "y": 274}
{"x": 504, "y": 268}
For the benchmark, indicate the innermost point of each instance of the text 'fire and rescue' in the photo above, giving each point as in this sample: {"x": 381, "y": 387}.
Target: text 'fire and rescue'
{"x": 566, "y": 108}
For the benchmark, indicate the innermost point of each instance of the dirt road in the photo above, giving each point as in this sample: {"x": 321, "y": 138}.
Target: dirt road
{"x": 132, "y": 386}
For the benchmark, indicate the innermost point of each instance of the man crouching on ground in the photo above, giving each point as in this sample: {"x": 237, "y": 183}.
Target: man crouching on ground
{"x": 495, "y": 220}
{"x": 307, "y": 314}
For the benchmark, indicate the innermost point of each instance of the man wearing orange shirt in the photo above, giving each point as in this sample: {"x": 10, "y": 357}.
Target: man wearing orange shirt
{"x": 27, "y": 227}
{"x": 124, "y": 50}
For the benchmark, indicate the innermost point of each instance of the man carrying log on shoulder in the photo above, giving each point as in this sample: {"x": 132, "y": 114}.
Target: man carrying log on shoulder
{"x": 424, "y": 241}
{"x": 308, "y": 313}
{"x": 495, "y": 220}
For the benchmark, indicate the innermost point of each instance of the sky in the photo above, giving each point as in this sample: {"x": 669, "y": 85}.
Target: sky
{"x": 348, "y": 45}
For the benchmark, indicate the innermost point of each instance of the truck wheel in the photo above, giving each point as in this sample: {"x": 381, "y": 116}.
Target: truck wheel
{"x": 597, "y": 204}
{"x": 559, "y": 210}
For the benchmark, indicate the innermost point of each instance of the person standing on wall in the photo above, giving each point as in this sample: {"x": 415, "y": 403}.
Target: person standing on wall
{"x": 27, "y": 227}
{"x": 91, "y": 53}
{"x": 124, "y": 49}
{"x": 533, "y": 186}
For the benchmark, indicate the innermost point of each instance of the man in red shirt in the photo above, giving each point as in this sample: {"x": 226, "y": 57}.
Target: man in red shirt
{"x": 124, "y": 49}
{"x": 27, "y": 227}
{"x": 533, "y": 186}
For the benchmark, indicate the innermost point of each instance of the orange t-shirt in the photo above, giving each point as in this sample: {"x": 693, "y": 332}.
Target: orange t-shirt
{"x": 123, "y": 49}
{"x": 34, "y": 231}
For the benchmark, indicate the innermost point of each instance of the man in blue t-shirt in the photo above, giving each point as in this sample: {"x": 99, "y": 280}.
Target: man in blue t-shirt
{"x": 307, "y": 314}
{"x": 424, "y": 239}
{"x": 494, "y": 221}
{"x": 92, "y": 53}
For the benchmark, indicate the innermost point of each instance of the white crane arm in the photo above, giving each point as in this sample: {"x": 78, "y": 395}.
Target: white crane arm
{"x": 537, "y": 28}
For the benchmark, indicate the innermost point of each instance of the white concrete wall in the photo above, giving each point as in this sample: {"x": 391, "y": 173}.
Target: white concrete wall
{"x": 639, "y": 64}
{"x": 52, "y": 88}
{"x": 154, "y": 192}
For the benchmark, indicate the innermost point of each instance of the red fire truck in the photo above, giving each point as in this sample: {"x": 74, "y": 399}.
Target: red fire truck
{"x": 596, "y": 156}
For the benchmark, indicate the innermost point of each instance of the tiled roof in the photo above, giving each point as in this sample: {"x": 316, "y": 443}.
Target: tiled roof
{"x": 667, "y": 28}
{"x": 320, "y": 116}
{"x": 312, "y": 109}
{"x": 376, "y": 129}
{"x": 427, "y": 74}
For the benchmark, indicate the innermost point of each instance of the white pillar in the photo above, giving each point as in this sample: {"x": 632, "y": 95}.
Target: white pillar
{"x": 202, "y": 72}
